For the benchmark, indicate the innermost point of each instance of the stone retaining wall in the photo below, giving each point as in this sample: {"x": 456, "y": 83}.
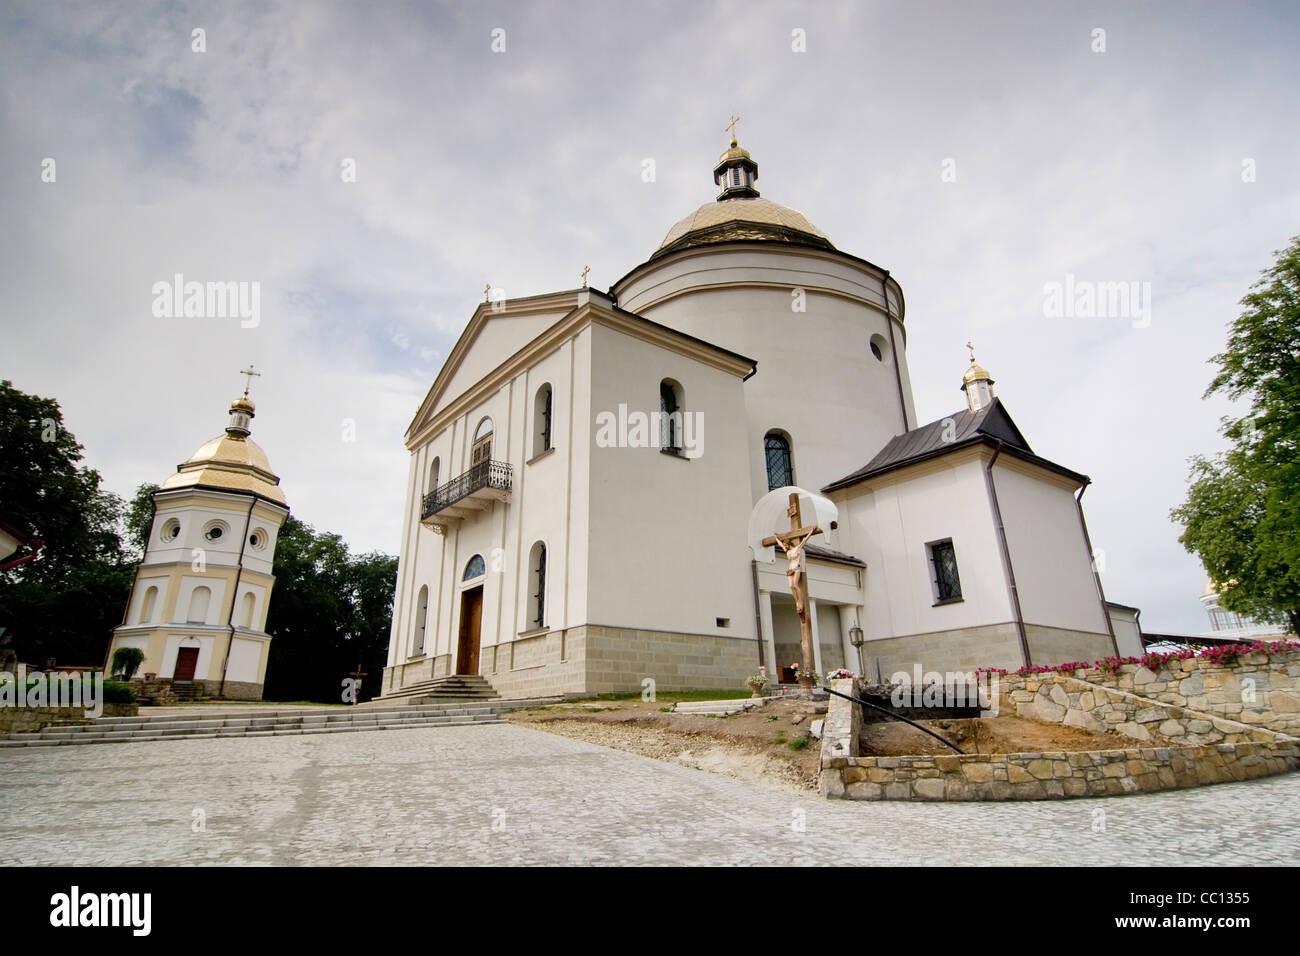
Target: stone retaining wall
{"x": 23, "y": 720}
{"x": 1043, "y": 776}
{"x": 1262, "y": 690}
{"x": 1058, "y": 699}
{"x": 1238, "y": 751}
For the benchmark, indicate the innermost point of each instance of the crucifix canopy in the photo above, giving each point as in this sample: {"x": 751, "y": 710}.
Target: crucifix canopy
{"x": 770, "y": 517}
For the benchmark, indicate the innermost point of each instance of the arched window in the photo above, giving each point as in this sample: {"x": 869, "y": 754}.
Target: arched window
{"x": 537, "y": 586}
{"x": 434, "y": 469}
{"x": 475, "y": 568}
{"x": 249, "y": 603}
{"x": 780, "y": 463}
{"x": 542, "y": 420}
{"x": 147, "y": 605}
{"x": 199, "y": 599}
{"x": 670, "y": 416}
{"x": 480, "y": 452}
{"x": 421, "y": 618}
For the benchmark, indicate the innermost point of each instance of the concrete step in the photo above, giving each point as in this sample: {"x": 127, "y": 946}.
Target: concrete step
{"x": 46, "y": 739}
{"x": 718, "y": 708}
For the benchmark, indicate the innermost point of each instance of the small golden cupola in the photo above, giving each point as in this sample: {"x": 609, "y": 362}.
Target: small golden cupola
{"x": 736, "y": 170}
{"x": 977, "y": 384}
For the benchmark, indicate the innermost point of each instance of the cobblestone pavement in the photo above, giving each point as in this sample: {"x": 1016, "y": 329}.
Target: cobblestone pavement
{"x": 502, "y": 794}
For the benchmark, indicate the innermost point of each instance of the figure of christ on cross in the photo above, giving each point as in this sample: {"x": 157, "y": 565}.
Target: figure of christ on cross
{"x": 792, "y": 544}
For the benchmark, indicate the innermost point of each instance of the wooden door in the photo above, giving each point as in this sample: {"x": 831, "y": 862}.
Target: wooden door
{"x": 187, "y": 658}
{"x": 471, "y": 619}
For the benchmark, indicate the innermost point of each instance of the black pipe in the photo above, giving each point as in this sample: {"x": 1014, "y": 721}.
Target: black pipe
{"x": 890, "y": 713}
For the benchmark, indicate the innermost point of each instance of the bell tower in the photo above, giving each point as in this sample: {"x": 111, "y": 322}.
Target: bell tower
{"x": 199, "y": 602}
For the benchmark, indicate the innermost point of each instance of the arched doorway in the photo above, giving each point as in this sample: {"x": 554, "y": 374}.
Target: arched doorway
{"x": 471, "y": 616}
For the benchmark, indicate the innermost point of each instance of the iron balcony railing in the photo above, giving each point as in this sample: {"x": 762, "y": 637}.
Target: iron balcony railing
{"x": 486, "y": 474}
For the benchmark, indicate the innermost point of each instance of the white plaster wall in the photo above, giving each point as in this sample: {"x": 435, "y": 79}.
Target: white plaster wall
{"x": 817, "y": 379}
{"x": 215, "y": 603}
{"x": 1052, "y": 565}
{"x": 545, "y": 493}
{"x": 667, "y": 535}
{"x": 138, "y": 593}
{"x": 1128, "y": 635}
{"x": 889, "y": 530}
{"x": 245, "y": 661}
{"x": 500, "y": 337}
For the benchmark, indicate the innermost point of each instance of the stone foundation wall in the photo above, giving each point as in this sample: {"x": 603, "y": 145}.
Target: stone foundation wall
{"x": 1049, "y": 644}
{"x": 963, "y": 649}
{"x": 618, "y": 659}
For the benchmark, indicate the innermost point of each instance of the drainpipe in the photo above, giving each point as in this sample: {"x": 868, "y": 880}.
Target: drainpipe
{"x": 1096, "y": 578}
{"x": 893, "y": 351}
{"x": 758, "y": 610}
{"x": 234, "y": 598}
{"x": 1012, "y": 591}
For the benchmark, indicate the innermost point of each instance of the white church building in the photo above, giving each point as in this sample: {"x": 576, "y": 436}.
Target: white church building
{"x": 584, "y": 466}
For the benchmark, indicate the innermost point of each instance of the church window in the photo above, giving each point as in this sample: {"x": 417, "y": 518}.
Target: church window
{"x": 670, "y": 416}
{"x": 475, "y": 568}
{"x": 879, "y": 347}
{"x": 481, "y": 451}
{"x": 171, "y": 530}
{"x": 250, "y": 603}
{"x": 199, "y": 599}
{"x": 433, "y": 475}
{"x": 537, "y": 586}
{"x": 542, "y": 420}
{"x": 147, "y": 607}
{"x": 943, "y": 561}
{"x": 780, "y": 465}
{"x": 421, "y": 617}
{"x": 214, "y": 530}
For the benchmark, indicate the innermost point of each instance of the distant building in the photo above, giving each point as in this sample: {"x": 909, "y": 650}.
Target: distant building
{"x": 1230, "y": 624}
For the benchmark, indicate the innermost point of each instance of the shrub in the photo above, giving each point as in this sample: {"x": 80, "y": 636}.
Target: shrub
{"x": 118, "y": 693}
{"x": 127, "y": 660}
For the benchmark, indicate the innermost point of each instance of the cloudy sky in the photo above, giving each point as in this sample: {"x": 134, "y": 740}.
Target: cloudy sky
{"x": 980, "y": 151}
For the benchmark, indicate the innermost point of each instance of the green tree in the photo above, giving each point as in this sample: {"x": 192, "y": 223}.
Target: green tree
{"x": 1242, "y": 513}
{"x": 64, "y": 604}
{"x": 139, "y": 518}
{"x": 329, "y": 612}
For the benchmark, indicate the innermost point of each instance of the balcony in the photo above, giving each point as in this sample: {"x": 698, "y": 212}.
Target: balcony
{"x": 467, "y": 495}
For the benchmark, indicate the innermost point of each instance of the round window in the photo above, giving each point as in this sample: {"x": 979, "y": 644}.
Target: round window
{"x": 879, "y": 347}
{"x": 171, "y": 530}
{"x": 212, "y": 534}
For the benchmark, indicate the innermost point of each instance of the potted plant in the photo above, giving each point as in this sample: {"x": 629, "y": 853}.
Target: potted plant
{"x": 758, "y": 682}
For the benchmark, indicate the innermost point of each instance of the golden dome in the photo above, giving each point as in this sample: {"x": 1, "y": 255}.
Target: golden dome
{"x": 762, "y": 213}
{"x": 976, "y": 373}
{"x": 228, "y": 462}
{"x": 244, "y": 403}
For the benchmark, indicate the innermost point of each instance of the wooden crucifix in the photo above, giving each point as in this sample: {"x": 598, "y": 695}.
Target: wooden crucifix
{"x": 792, "y": 544}
{"x": 357, "y": 675}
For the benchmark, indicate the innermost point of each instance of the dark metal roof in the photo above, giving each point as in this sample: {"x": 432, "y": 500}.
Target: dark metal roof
{"x": 824, "y": 553}
{"x": 991, "y": 425}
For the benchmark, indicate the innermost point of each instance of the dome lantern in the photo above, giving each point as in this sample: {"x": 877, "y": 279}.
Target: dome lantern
{"x": 736, "y": 170}
{"x": 977, "y": 383}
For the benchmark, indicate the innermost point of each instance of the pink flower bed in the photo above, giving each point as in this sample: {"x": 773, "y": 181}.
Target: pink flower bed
{"x": 1222, "y": 654}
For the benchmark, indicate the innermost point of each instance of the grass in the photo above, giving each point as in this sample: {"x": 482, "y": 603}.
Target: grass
{"x": 799, "y": 743}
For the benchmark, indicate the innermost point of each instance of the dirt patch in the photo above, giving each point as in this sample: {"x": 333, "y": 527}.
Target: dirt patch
{"x": 753, "y": 746}
{"x": 756, "y": 745}
{"x": 983, "y": 735}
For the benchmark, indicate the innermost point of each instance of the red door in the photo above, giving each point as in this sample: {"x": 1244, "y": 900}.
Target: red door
{"x": 187, "y": 658}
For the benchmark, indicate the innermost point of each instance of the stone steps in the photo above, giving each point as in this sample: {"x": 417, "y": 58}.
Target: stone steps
{"x": 211, "y": 726}
{"x": 453, "y": 687}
